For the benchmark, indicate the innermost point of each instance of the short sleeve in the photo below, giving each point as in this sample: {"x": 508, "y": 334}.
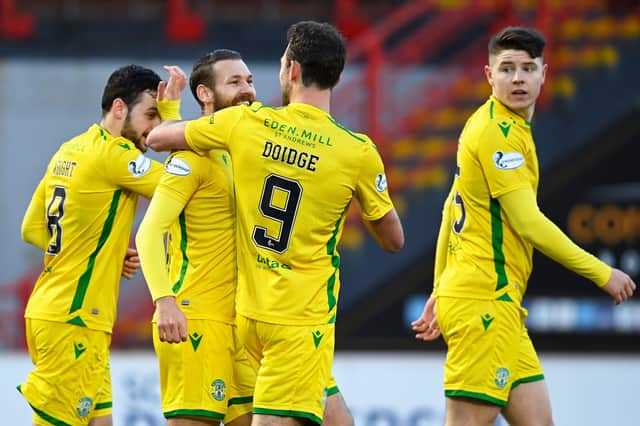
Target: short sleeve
{"x": 371, "y": 188}
{"x": 128, "y": 168}
{"x": 503, "y": 161}
{"x": 212, "y": 131}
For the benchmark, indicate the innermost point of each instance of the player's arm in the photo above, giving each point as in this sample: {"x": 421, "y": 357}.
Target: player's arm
{"x": 168, "y": 137}
{"x": 377, "y": 211}
{"x": 34, "y": 227}
{"x": 426, "y": 326}
{"x": 163, "y": 211}
{"x": 530, "y": 223}
{"x": 128, "y": 168}
{"x": 387, "y": 231}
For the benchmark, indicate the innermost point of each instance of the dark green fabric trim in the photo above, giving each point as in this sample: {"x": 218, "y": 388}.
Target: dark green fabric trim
{"x": 77, "y": 321}
{"x": 240, "y": 400}
{"x": 288, "y": 413}
{"x": 491, "y": 110}
{"x": 332, "y": 391}
{"x": 530, "y": 379}
{"x": 194, "y": 413}
{"x": 85, "y": 278}
{"x": 505, "y": 298}
{"x": 474, "y": 395}
{"x": 496, "y": 241}
{"x": 335, "y": 262}
{"x": 103, "y": 405}
{"x": 183, "y": 248}
{"x": 341, "y": 127}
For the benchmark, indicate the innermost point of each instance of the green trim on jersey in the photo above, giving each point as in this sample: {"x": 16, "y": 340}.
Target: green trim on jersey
{"x": 340, "y": 126}
{"x": 194, "y": 413}
{"x": 240, "y": 400}
{"x": 475, "y": 395}
{"x": 335, "y": 261}
{"x": 103, "y": 405}
{"x": 288, "y": 413}
{"x": 85, "y": 278}
{"x": 102, "y": 134}
{"x": 77, "y": 321}
{"x": 333, "y": 390}
{"x": 496, "y": 241}
{"x": 530, "y": 379}
{"x": 505, "y": 298}
{"x": 265, "y": 106}
{"x": 491, "y": 110}
{"x": 183, "y": 248}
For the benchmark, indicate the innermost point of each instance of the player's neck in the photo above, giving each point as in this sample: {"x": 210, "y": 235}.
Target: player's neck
{"x": 111, "y": 125}
{"x": 312, "y": 96}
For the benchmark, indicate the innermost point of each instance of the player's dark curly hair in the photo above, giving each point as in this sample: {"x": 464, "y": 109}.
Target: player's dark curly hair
{"x": 321, "y": 51}
{"x": 128, "y": 83}
{"x": 202, "y": 72}
{"x": 518, "y": 38}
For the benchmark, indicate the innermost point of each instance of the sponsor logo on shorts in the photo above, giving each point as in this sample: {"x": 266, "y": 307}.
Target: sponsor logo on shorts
{"x": 78, "y": 349}
{"x": 317, "y": 337}
{"x": 502, "y": 377}
{"x": 487, "y": 319}
{"x": 84, "y": 407}
{"x": 195, "y": 340}
{"x": 218, "y": 390}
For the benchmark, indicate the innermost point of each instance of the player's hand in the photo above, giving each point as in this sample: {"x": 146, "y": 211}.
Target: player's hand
{"x": 131, "y": 263}
{"x": 172, "y": 324}
{"x": 172, "y": 89}
{"x": 426, "y": 327}
{"x": 620, "y": 286}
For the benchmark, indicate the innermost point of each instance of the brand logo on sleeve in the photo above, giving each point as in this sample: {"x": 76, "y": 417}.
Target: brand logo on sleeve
{"x": 177, "y": 166}
{"x": 381, "y": 182}
{"x": 507, "y": 160}
{"x": 140, "y": 166}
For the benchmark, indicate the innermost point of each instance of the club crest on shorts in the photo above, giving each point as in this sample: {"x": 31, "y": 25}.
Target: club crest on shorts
{"x": 218, "y": 390}
{"x": 84, "y": 407}
{"x": 502, "y": 377}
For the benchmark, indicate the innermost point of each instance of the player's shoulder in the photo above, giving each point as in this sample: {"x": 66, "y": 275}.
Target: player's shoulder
{"x": 185, "y": 163}
{"x": 492, "y": 121}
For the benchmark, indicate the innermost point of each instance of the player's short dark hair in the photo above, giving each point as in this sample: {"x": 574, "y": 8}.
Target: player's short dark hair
{"x": 202, "y": 72}
{"x": 321, "y": 51}
{"x": 128, "y": 83}
{"x": 518, "y": 38}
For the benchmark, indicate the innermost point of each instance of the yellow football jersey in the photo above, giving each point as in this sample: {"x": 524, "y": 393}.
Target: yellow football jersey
{"x": 201, "y": 250}
{"x": 486, "y": 258}
{"x": 87, "y": 199}
{"x": 295, "y": 172}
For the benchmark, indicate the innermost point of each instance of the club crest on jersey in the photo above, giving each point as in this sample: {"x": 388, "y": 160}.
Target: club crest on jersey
{"x": 140, "y": 166}
{"x": 177, "y": 166}
{"x": 507, "y": 160}
{"x": 381, "y": 182}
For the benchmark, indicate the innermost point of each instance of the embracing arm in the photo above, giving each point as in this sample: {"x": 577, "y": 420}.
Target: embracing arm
{"x": 168, "y": 137}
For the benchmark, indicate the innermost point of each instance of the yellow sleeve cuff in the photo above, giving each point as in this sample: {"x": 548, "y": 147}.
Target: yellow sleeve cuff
{"x": 169, "y": 109}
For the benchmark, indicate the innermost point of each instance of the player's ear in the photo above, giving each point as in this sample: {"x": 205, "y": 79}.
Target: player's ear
{"x": 488, "y": 74}
{"x": 205, "y": 95}
{"x": 119, "y": 109}
{"x": 295, "y": 71}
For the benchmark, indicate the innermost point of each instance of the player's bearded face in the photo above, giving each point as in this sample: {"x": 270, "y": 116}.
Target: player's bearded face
{"x": 516, "y": 79}
{"x": 234, "y": 84}
{"x": 142, "y": 117}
